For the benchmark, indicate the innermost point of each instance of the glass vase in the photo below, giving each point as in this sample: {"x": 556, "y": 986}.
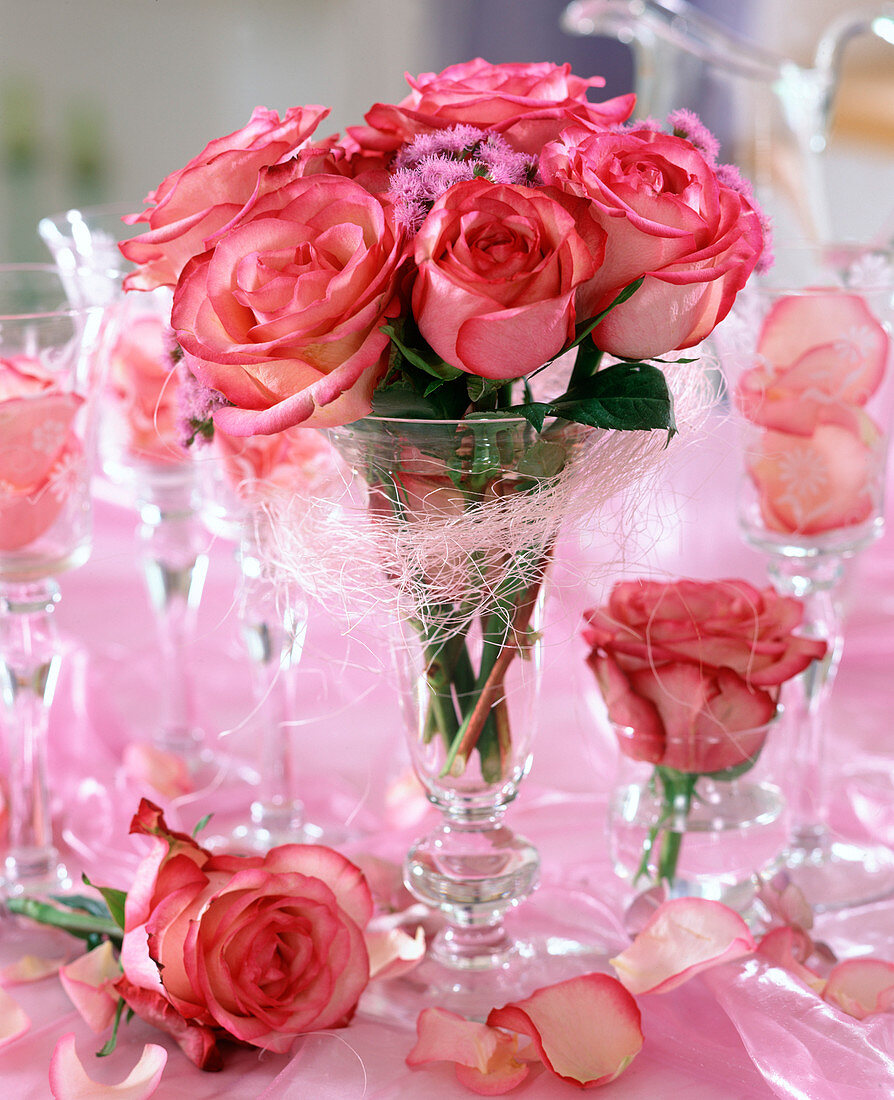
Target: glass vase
{"x": 703, "y": 834}
{"x": 463, "y": 516}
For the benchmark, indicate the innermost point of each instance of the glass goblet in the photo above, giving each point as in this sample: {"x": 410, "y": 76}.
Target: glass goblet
{"x": 807, "y": 359}
{"x": 48, "y": 389}
{"x": 142, "y": 455}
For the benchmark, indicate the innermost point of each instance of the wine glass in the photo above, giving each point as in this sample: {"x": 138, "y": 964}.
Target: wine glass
{"x": 807, "y": 358}
{"x": 141, "y": 453}
{"x": 48, "y": 390}
{"x": 239, "y": 475}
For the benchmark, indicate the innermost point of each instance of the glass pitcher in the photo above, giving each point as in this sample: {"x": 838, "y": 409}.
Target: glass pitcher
{"x": 770, "y": 114}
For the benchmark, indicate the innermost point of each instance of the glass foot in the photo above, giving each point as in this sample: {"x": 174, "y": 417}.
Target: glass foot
{"x": 837, "y": 874}
{"x": 39, "y": 876}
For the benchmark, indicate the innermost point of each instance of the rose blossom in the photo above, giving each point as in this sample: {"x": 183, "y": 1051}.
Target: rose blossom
{"x": 196, "y": 201}
{"x": 499, "y": 267}
{"x": 692, "y": 669}
{"x": 37, "y": 446}
{"x": 259, "y": 948}
{"x": 667, "y": 217}
{"x": 529, "y": 104}
{"x": 283, "y": 314}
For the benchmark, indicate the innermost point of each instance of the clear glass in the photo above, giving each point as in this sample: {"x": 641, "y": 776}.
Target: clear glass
{"x": 467, "y": 653}
{"x": 141, "y": 453}
{"x": 49, "y": 366}
{"x": 772, "y": 114}
{"x": 705, "y": 835}
{"x": 810, "y": 374}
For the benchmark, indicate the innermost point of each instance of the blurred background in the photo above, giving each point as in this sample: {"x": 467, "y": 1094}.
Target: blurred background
{"x": 100, "y": 99}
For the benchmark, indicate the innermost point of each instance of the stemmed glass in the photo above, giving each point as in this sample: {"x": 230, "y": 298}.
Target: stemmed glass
{"x": 48, "y": 388}
{"x": 238, "y": 473}
{"x": 807, "y": 358}
{"x": 141, "y": 453}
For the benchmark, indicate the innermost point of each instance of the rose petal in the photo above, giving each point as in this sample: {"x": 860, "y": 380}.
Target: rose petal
{"x": 13, "y": 1021}
{"x": 586, "y": 1029}
{"x": 484, "y": 1057}
{"x": 29, "y": 968}
{"x": 684, "y": 937}
{"x": 861, "y": 987}
{"x": 393, "y": 952}
{"x": 88, "y": 982}
{"x": 165, "y": 772}
{"x": 69, "y": 1081}
{"x": 789, "y": 948}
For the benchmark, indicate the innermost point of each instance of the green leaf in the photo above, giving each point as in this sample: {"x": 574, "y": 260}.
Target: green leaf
{"x": 114, "y": 899}
{"x": 201, "y": 824}
{"x": 422, "y": 358}
{"x": 543, "y": 459}
{"x": 623, "y": 397}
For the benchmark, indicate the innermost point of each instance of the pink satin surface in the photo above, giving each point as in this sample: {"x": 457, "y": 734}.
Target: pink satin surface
{"x": 742, "y": 1031}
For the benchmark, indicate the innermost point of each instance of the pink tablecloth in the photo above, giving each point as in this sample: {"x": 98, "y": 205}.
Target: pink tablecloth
{"x": 738, "y": 1033}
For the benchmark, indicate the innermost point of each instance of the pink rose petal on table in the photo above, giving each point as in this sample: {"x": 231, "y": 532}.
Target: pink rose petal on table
{"x": 586, "y": 1029}
{"x": 861, "y": 987}
{"x": 393, "y": 952}
{"x": 13, "y": 1021}
{"x": 789, "y": 948}
{"x": 684, "y": 937}
{"x": 29, "y": 968}
{"x": 165, "y": 772}
{"x": 88, "y": 981}
{"x": 69, "y": 1080}
{"x": 484, "y": 1057}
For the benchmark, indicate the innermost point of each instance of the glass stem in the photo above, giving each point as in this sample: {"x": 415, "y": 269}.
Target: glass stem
{"x": 175, "y": 564}
{"x": 29, "y": 669}
{"x": 816, "y": 582}
{"x": 274, "y": 639}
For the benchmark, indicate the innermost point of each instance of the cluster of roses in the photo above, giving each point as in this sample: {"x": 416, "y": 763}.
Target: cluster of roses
{"x": 527, "y": 214}
{"x": 815, "y": 458}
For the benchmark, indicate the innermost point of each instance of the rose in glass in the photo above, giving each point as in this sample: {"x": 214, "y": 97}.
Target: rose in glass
{"x": 259, "y": 948}
{"x": 38, "y": 446}
{"x": 693, "y": 669}
{"x": 668, "y": 217}
{"x": 195, "y": 202}
{"x": 499, "y": 269}
{"x": 529, "y": 104}
{"x": 283, "y": 315}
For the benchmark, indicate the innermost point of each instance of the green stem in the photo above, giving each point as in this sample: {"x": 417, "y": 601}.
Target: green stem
{"x": 78, "y": 924}
{"x": 677, "y": 792}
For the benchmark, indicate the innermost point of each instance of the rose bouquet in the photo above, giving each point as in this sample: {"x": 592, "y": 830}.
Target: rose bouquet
{"x": 691, "y": 673}
{"x": 469, "y": 258}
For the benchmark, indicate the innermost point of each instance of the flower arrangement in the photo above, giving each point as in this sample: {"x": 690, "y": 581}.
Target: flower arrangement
{"x": 471, "y": 256}
{"x": 691, "y": 673}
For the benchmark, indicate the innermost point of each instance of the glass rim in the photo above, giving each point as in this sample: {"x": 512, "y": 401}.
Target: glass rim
{"x": 69, "y": 310}
{"x": 471, "y": 420}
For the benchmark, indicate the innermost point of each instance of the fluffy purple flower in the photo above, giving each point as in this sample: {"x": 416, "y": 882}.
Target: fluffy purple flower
{"x": 197, "y": 403}
{"x": 686, "y": 124}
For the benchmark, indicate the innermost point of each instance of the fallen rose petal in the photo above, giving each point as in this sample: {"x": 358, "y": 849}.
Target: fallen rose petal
{"x": 484, "y": 1057}
{"x": 586, "y": 1029}
{"x": 88, "y": 982}
{"x": 790, "y": 947}
{"x": 165, "y": 772}
{"x": 861, "y": 987}
{"x": 29, "y": 968}
{"x": 13, "y": 1021}
{"x": 393, "y": 952}
{"x": 684, "y": 937}
{"x": 69, "y": 1080}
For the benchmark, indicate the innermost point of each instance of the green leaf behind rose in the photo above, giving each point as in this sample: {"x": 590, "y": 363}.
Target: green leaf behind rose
{"x": 623, "y": 397}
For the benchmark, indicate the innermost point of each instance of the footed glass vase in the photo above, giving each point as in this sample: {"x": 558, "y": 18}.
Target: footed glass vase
{"x": 460, "y": 522}
{"x": 702, "y": 833}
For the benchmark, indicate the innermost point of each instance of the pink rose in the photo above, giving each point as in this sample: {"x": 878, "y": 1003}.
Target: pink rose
{"x": 820, "y": 356}
{"x": 196, "y": 202}
{"x": 38, "y": 448}
{"x": 499, "y": 268}
{"x": 529, "y": 104}
{"x": 251, "y": 463}
{"x": 691, "y": 670}
{"x": 283, "y": 314}
{"x": 256, "y": 948}
{"x": 668, "y": 217}
{"x": 142, "y": 387}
